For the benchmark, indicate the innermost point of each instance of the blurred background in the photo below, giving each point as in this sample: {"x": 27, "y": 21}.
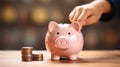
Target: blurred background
{"x": 24, "y": 23}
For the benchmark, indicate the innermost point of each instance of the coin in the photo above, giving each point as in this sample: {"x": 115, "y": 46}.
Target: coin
{"x": 26, "y": 50}
{"x": 37, "y": 57}
{"x": 27, "y": 58}
{"x": 26, "y": 54}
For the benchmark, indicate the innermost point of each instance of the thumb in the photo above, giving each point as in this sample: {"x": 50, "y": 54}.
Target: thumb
{"x": 91, "y": 20}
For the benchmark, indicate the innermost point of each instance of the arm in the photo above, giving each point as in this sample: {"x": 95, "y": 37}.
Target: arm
{"x": 115, "y": 11}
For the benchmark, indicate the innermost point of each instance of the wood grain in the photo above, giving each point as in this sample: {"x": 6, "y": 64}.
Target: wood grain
{"x": 86, "y": 58}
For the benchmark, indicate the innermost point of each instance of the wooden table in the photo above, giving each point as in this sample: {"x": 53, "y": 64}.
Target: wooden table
{"x": 85, "y": 59}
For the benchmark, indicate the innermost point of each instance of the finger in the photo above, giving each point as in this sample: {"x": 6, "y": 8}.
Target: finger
{"x": 91, "y": 20}
{"x": 83, "y": 22}
{"x": 71, "y": 15}
{"x": 84, "y": 15}
{"x": 77, "y": 14}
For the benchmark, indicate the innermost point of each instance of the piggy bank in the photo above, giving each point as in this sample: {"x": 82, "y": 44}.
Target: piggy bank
{"x": 64, "y": 40}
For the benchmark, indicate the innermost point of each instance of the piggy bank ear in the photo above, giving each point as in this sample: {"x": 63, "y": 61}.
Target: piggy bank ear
{"x": 52, "y": 25}
{"x": 76, "y": 26}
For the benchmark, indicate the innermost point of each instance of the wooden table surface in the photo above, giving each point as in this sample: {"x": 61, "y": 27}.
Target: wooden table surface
{"x": 86, "y": 58}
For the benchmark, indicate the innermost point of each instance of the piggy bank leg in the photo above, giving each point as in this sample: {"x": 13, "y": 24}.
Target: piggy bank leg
{"x": 55, "y": 57}
{"x": 73, "y": 57}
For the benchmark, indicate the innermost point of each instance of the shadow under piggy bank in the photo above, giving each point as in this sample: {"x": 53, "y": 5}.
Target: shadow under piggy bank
{"x": 91, "y": 60}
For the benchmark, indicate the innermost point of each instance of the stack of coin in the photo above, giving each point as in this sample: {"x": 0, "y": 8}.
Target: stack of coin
{"x": 37, "y": 57}
{"x": 26, "y": 54}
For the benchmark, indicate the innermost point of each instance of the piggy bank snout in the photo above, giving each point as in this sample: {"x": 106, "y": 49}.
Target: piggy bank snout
{"x": 62, "y": 42}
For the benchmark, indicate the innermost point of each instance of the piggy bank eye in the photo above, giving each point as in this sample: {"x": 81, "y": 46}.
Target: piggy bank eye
{"x": 58, "y": 33}
{"x": 69, "y": 33}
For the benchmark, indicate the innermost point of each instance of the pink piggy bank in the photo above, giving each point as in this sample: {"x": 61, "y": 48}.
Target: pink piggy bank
{"x": 64, "y": 40}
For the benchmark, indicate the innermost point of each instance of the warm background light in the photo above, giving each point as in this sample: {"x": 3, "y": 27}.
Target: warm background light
{"x": 24, "y": 23}
{"x": 40, "y": 15}
{"x": 9, "y": 14}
